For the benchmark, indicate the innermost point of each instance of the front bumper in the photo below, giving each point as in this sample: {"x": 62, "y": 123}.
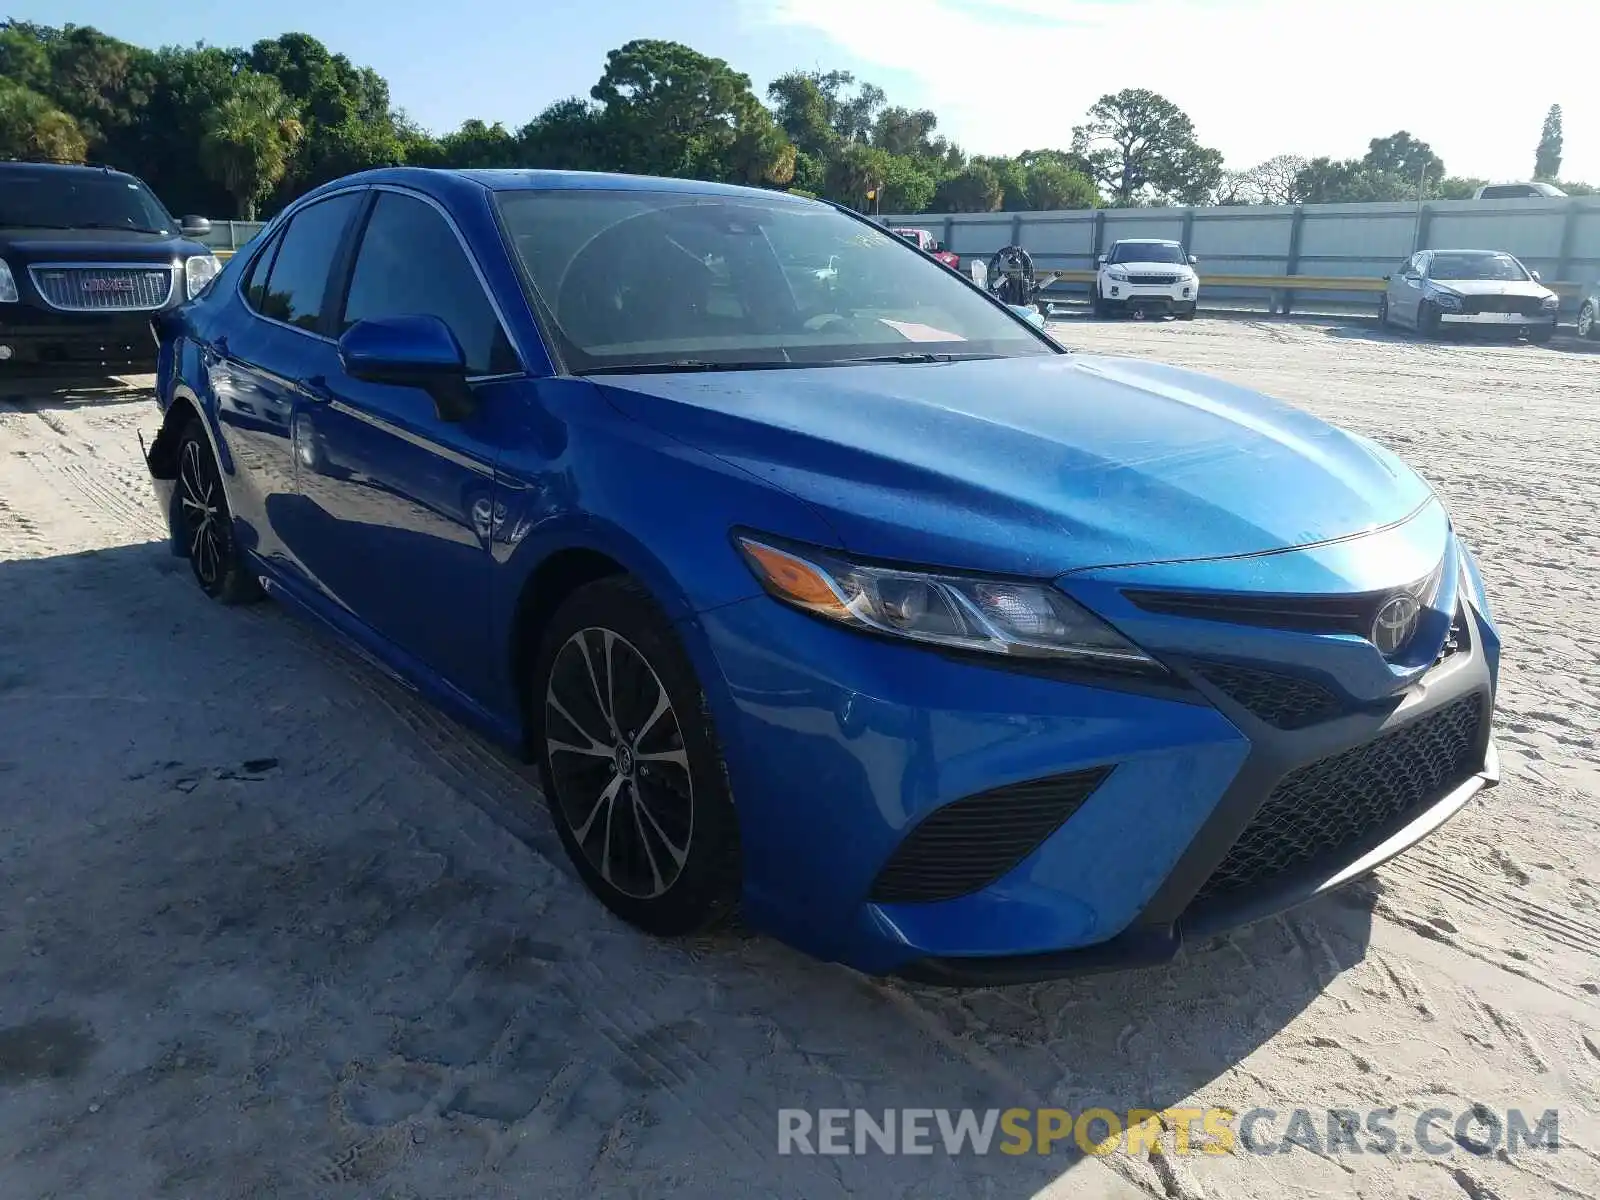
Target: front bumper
{"x": 1498, "y": 319}
{"x": 38, "y": 340}
{"x": 1159, "y": 298}
{"x": 839, "y": 746}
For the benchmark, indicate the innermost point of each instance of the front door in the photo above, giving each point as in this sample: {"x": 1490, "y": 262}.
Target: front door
{"x": 406, "y": 497}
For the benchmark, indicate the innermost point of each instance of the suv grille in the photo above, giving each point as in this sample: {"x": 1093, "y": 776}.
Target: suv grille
{"x": 1328, "y": 811}
{"x": 1284, "y": 701}
{"x": 969, "y": 843}
{"x": 103, "y": 289}
{"x": 1152, "y": 279}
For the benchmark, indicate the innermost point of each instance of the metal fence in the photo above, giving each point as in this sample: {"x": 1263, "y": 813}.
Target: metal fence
{"x": 231, "y": 235}
{"x": 1559, "y": 238}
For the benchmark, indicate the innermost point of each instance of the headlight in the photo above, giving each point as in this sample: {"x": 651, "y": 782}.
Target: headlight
{"x": 1552, "y": 302}
{"x": 991, "y": 616}
{"x": 1445, "y": 299}
{"x": 1118, "y": 274}
{"x": 8, "y": 285}
{"x": 199, "y": 271}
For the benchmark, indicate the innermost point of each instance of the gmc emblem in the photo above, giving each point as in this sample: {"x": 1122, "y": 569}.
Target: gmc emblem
{"x": 108, "y": 285}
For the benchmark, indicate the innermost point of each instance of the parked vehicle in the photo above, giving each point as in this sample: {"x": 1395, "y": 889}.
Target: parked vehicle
{"x": 1474, "y": 289}
{"x": 1589, "y": 313}
{"x": 1145, "y": 276}
{"x": 926, "y": 242}
{"x": 87, "y": 256}
{"x": 857, "y": 603}
{"x": 1536, "y": 190}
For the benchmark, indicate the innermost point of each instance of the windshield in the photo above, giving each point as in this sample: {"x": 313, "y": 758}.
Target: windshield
{"x": 1477, "y": 266}
{"x": 670, "y": 279}
{"x": 79, "y": 200}
{"x": 1150, "y": 252}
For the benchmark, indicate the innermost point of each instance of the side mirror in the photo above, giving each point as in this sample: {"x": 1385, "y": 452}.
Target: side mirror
{"x": 1101, "y": 261}
{"x": 1535, "y": 275}
{"x": 1386, "y": 279}
{"x": 1193, "y": 261}
{"x": 192, "y": 226}
{"x": 414, "y": 351}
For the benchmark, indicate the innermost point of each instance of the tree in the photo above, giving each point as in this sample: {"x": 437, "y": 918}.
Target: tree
{"x": 975, "y": 189}
{"x": 1352, "y": 181}
{"x": 1547, "y": 158}
{"x": 1049, "y": 184}
{"x": 32, "y": 127}
{"x": 1140, "y": 146}
{"x": 1404, "y": 157}
{"x": 671, "y": 110}
{"x": 248, "y": 140}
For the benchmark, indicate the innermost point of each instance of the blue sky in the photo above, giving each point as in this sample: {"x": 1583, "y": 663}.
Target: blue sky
{"x": 1259, "y": 77}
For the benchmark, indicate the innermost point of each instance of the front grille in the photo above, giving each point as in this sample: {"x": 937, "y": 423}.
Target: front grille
{"x": 1527, "y": 306}
{"x": 969, "y": 843}
{"x": 1163, "y": 279}
{"x": 1284, "y": 701}
{"x": 1328, "y": 812}
{"x": 103, "y": 289}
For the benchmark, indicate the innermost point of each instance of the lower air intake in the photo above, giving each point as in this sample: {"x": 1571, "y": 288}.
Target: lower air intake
{"x": 1328, "y": 812}
{"x": 969, "y": 843}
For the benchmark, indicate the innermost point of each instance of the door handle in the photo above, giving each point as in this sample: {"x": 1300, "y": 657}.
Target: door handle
{"x": 316, "y": 388}
{"x": 221, "y": 344}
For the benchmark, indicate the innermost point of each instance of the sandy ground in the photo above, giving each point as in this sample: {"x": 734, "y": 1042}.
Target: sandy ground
{"x": 269, "y": 926}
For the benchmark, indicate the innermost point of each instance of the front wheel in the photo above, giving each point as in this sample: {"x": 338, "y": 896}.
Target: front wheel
{"x": 1588, "y": 327}
{"x": 206, "y": 523}
{"x": 1540, "y": 334}
{"x": 1428, "y": 319}
{"x": 1383, "y": 313}
{"x": 631, "y": 765}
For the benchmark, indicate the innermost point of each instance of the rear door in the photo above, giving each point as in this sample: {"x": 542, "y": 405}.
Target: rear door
{"x": 258, "y": 373}
{"x": 407, "y": 498}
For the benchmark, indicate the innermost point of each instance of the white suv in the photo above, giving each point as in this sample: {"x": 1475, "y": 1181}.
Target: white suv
{"x": 1144, "y": 276}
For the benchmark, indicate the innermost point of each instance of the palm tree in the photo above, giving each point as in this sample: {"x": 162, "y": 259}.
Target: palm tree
{"x": 249, "y": 140}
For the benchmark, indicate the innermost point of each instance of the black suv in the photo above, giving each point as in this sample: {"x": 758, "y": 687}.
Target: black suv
{"x": 88, "y": 257}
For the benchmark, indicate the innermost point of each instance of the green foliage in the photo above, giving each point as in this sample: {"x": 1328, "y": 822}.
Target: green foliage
{"x": 216, "y": 129}
{"x": 1547, "y": 157}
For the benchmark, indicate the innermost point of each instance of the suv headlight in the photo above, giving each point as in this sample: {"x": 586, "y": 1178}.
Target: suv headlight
{"x": 199, "y": 271}
{"x": 1118, "y": 274}
{"x": 972, "y": 613}
{"x": 8, "y": 285}
{"x": 1445, "y": 299}
{"x": 1552, "y": 302}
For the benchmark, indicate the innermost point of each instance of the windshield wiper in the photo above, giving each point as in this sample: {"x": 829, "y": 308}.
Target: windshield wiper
{"x": 688, "y": 364}
{"x": 109, "y": 225}
{"x": 915, "y": 356}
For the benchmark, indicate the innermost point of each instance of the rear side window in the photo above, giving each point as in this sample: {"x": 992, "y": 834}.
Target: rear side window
{"x": 411, "y": 263}
{"x": 298, "y": 279}
{"x": 254, "y": 285}
{"x": 1509, "y": 192}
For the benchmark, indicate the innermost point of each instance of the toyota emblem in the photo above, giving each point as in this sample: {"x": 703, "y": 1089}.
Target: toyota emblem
{"x": 1395, "y": 623}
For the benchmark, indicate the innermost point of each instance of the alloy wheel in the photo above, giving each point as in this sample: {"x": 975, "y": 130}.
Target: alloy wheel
{"x": 618, "y": 764}
{"x": 204, "y": 515}
{"x": 1586, "y": 320}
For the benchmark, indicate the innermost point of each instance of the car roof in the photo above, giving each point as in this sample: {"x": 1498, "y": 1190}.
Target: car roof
{"x": 444, "y": 181}
{"x": 69, "y": 169}
{"x": 1468, "y": 250}
{"x": 1146, "y": 242}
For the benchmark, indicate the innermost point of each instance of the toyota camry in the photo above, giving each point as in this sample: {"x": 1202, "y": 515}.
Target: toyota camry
{"x": 847, "y": 600}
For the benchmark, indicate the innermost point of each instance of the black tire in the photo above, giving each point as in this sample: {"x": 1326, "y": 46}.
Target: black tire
{"x": 204, "y": 522}
{"x": 1097, "y": 303}
{"x": 1187, "y": 314}
{"x": 1540, "y": 334}
{"x": 672, "y": 867}
{"x": 1588, "y": 321}
{"x": 1383, "y": 312}
{"x": 1427, "y": 319}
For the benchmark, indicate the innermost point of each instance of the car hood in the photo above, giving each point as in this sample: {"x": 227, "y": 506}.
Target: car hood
{"x": 1491, "y": 287}
{"x": 28, "y": 245}
{"x": 1035, "y": 466}
{"x": 1149, "y": 268}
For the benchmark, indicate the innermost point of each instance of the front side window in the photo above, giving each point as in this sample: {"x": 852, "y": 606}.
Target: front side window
{"x": 411, "y": 263}
{"x": 297, "y": 281}
{"x": 1498, "y": 267}
{"x": 636, "y": 278}
{"x": 45, "y": 199}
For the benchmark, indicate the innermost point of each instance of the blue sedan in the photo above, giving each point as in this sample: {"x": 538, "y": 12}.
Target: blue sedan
{"x": 821, "y": 586}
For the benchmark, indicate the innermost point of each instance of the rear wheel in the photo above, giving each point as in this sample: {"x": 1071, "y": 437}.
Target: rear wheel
{"x": 631, "y": 765}
{"x": 1588, "y": 327}
{"x": 1383, "y": 312}
{"x": 206, "y": 523}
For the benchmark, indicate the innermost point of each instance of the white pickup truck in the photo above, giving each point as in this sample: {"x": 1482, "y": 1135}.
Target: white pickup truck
{"x": 1145, "y": 276}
